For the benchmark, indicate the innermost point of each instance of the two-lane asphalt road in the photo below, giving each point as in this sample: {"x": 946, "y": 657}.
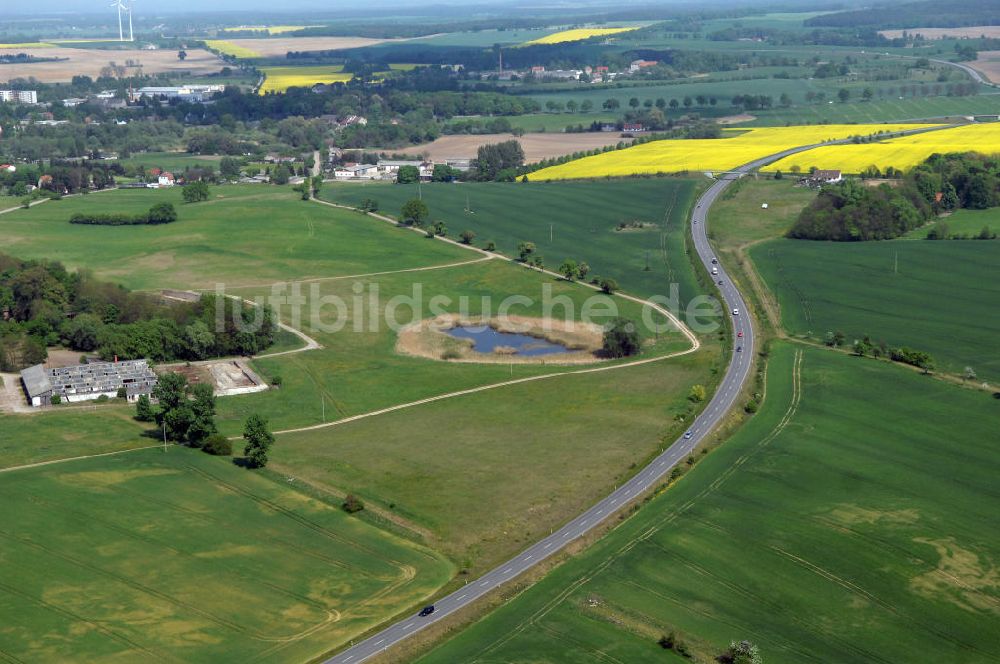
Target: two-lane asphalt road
{"x": 725, "y": 398}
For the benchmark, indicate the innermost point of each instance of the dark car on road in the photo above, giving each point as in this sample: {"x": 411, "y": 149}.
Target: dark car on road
{"x": 426, "y": 611}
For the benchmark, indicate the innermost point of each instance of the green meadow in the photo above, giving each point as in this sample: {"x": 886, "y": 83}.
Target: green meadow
{"x": 961, "y": 222}
{"x": 243, "y": 235}
{"x": 485, "y": 474}
{"x": 178, "y": 556}
{"x": 577, "y": 220}
{"x": 938, "y": 297}
{"x": 828, "y": 529}
{"x": 171, "y": 161}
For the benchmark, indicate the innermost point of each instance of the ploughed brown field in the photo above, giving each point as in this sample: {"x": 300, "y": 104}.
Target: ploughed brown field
{"x": 988, "y": 64}
{"x": 281, "y": 45}
{"x": 88, "y": 62}
{"x": 536, "y": 146}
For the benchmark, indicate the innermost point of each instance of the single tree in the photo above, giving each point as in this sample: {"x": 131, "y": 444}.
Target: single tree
{"x": 843, "y": 95}
{"x": 162, "y": 213}
{"x": 229, "y": 168}
{"x": 969, "y": 374}
{"x": 195, "y": 192}
{"x": 621, "y": 338}
{"x": 203, "y": 415}
{"x": 608, "y": 285}
{"x": 144, "y": 409}
{"x": 182, "y": 55}
{"x": 633, "y": 102}
{"x": 258, "y": 441}
{"x": 525, "y": 250}
{"x": 569, "y": 269}
{"x": 581, "y": 270}
{"x": 413, "y": 212}
{"x": 467, "y": 237}
{"x": 408, "y": 175}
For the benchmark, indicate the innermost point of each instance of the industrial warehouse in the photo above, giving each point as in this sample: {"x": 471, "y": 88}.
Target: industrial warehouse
{"x": 86, "y": 382}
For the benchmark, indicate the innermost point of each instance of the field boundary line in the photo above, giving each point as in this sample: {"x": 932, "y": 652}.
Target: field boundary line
{"x": 39, "y": 464}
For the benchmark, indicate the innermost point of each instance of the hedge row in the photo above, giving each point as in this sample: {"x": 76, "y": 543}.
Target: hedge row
{"x": 161, "y": 213}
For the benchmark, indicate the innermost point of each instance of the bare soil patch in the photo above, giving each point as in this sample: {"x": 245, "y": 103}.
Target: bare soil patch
{"x": 970, "y": 32}
{"x": 736, "y": 119}
{"x": 428, "y": 338}
{"x": 282, "y": 45}
{"x": 536, "y": 146}
{"x": 89, "y": 62}
{"x": 60, "y": 357}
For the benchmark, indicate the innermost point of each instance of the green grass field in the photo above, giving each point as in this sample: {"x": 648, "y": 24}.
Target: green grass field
{"x": 179, "y": 556}
{"x": 931, "y": 296}
{"x": 69, "y": 432}
{"x": 737, "y": 219}
{"x": 962, "y": 222}
{"x": 828, "y": 529}
{"x": 581, "y": 216}
{"x": 243, "y": 235}
{"x": 488, "y": 473}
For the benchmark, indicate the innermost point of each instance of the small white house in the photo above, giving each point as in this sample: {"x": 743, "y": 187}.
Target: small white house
{"x": 165, "y": 180}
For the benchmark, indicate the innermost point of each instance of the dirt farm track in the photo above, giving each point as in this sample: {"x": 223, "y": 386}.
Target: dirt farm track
{"x": 90, "y": 61}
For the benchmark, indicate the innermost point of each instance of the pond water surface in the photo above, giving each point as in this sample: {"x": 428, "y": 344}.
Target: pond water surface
{"x": 486, "y": 339}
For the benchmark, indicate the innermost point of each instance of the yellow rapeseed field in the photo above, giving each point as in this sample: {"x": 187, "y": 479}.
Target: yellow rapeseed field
{"x": 279, "y": 79}
{"x": 28, "y": 45}
{"x": 737, "y": 147}
{"x": 901, "y": 153}
{"x": 578, "y": 35}
{"x": 230, "y": 48}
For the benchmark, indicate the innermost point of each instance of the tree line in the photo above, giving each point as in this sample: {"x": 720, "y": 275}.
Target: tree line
{"x": 43, "y": 304}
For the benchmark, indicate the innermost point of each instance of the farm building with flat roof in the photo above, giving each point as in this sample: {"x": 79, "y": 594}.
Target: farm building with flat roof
{"x": 87, "y": 381}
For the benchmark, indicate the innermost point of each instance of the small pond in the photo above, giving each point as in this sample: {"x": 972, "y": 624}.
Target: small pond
{"x": 486, "y": 339}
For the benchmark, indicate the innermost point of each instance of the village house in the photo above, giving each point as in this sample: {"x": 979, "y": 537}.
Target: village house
{"x": 636, "y": 65}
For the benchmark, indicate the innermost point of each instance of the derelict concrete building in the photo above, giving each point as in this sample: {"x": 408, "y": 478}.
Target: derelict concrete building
{"x": 87, "y": 381}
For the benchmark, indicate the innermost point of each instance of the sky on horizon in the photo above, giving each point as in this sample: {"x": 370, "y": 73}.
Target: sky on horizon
{"x": 28, "y": 7}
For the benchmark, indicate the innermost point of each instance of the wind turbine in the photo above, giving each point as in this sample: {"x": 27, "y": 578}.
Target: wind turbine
{"x": 127, "y": 6}
{"x": 120, "y": 5}
{"x": 131, "y": 4}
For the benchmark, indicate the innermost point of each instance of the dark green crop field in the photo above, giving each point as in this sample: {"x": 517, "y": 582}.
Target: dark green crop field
{"x": 575, "y": 220}
{"x": 939, "y": 297}
{"x": 829, "y": 529}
